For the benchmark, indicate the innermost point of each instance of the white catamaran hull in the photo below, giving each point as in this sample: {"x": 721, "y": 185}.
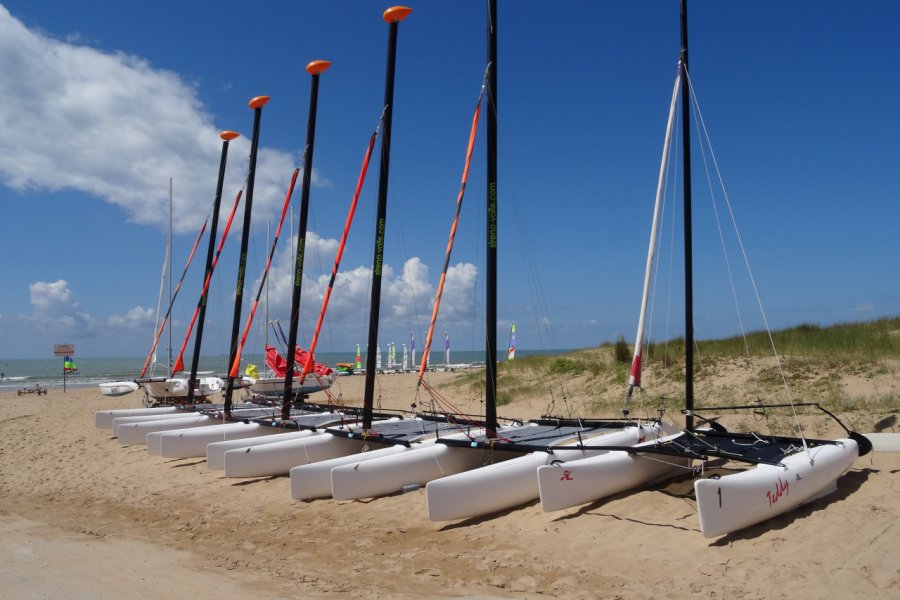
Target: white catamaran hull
{"x": 191, "y": 442}
{"x": 103, "y": 419}
{"x": 136, "y": 434}
{"x": 280, "y": 457}
{"x": 513, "y": 482}
{"x": 118, "y": 388}
{"x": 215, "y": 452}
{"x": 588, "y": 479}
{"x": 388, "y": 475}
{"x": 120, "y": 422}
{"x": 733, "y": 502}
{"x": 314, "y": 480}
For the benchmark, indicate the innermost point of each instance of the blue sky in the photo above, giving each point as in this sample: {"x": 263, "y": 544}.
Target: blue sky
{"x": 103, "y": 102}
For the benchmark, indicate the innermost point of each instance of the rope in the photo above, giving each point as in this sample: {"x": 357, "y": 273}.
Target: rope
{"x": 750, "y": 274}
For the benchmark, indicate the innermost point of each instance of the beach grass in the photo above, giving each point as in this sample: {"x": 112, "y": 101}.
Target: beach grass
{"x": 815, "y": 365}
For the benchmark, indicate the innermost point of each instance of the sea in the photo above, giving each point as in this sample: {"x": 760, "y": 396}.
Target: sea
{"x": 16, "y": 374}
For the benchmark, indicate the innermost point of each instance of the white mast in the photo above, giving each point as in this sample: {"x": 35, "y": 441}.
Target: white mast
{"x": 634, "y": 378}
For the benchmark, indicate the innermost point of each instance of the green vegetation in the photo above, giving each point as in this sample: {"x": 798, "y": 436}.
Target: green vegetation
{"x": 846, "y": 342}
{"x": 820, "y": 365}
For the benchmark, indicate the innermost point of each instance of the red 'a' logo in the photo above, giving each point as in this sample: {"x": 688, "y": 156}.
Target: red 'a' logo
{"x": 566, "y": 476}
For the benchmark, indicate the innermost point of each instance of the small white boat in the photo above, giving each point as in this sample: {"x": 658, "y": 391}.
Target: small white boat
{"x": 176, "y": 388}
{"x": 273, "y": 387}
{"x": 118, "y": 388}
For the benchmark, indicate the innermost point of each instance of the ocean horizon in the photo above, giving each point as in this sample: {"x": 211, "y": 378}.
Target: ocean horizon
{"x": 16, "y": 373}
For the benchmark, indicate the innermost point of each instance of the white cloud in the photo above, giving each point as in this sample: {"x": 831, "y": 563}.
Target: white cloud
{"x": 136, "y": 319}
{"x": 111, "y": 125}
{"x": 52, "y": 298}
{"x": 407, "y": 297}
{"x": 56, "y": 310}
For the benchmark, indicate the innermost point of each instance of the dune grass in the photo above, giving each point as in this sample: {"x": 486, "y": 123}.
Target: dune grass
{"x": 814, "y": 359}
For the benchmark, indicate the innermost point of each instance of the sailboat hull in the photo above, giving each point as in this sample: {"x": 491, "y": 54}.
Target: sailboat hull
{"x": 120, "y": 422}
{"x": 314, "y": 480}
{"x": 733, "y": 502}
{"x": 278, "y": 458}
{"x": 103, "y": 419}
{"x": 192, "y": 443}
{"x": 215, "y": 451}
{"x": 273, "y": 387}
{"x": 177, "y": 388}
{"x": 418, "y": 466}
{"x": 136, "y": 433}
{"x": 510, "y": 483}
{"x": 589, "y": 479}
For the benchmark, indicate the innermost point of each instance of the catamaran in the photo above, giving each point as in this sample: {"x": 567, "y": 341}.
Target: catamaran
{"x": 788, "y": 472}
{"x": 441, "y": 444}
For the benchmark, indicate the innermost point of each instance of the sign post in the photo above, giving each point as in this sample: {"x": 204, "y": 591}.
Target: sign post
{"x": 64, "y": 350}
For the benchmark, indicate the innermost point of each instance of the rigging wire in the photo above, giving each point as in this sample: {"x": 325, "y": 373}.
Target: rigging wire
{"x": 750, "y": 275}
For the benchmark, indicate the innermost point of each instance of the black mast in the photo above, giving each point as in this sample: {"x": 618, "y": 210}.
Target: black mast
{"x": 393, "y": 16}
{"x": 688, "y": 235}
{"x": 226, "y": 136}
{"x": 257, "y": 105}
{"x": 314, "y": 68}
{"x": 490, "y": 310}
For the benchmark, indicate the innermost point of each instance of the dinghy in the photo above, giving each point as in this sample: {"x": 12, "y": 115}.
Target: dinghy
{"x": 118, "y": 388}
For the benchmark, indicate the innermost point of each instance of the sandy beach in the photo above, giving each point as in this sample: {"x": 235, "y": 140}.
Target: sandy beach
{"x": 83, "y": 517}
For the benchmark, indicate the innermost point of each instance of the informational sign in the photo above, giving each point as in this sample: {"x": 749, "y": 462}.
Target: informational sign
{"x": 63, "y": 349}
